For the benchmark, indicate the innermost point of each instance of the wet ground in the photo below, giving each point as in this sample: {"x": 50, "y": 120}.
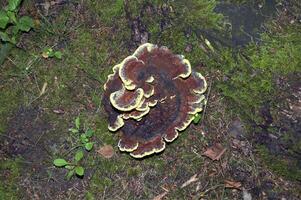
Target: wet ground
{"x": 261, "y": 159}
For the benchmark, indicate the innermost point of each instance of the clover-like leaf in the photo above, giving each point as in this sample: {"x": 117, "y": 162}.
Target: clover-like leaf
{"x": 13, "y": 5}
{"x": 4, "y": 36}
{"x": 60, "y": 162}
{"x": 12, "y": 16}
{"x": 4, "y": 19}
{"x": 25, "y": 23}
{"x": 79, "y": 170}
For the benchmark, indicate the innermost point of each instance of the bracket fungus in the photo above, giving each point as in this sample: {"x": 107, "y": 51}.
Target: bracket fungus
{"x": 150, "y": 97}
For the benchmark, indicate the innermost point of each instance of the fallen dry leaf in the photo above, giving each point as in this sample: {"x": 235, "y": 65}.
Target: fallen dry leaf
{"x": 45, "y": 55}
{"x": 191, "y": 180}
{"x": 58, "y": 111}
{"x": 106, "y": 151}
{"x": 215, "y": 152}
{"x": 160, "y": 196}
{"x": 232, "y": 184}
{"x": 43, "y": 90}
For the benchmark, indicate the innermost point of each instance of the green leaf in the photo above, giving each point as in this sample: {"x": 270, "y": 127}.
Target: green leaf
{"x": 4, "y": 19}
{"x": 15, "y": 30}
{"x": 83, "y": 138}
{"x": 73, "y": 130}
{"x": 89, "y": 133}
{"x": 70, "y": 174}
{"x": 50, "y": 52}
{"x": 25, "y": 23}
{"x": 13, "y": 40}
{"x": 58, "y": 54}
{"x": 13, "y": 4}
{"x": 197, "y": 118}
{"x": 79, "y": 155}
{"x": 89, "y": 146}
{"x": 79, "y": 170}
{"x": 69, "y": 167}
{"x": 12, "y": 16}
{"x": 4, "y": 37}
{"x": 77, "y": 123}
{"x": 60, "y": 162}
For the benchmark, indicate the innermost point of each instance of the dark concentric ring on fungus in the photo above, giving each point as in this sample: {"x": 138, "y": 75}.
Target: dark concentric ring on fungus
{"x": 150, "y": 97}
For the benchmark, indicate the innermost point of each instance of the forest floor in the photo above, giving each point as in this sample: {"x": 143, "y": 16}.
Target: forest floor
{"x": 258, "y": 147}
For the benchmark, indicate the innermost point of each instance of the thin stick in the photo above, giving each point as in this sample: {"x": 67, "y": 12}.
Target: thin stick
{"x": 205, "y": 108}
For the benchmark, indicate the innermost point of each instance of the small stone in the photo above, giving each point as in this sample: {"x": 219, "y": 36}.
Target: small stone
{"x": 246, "y": 195}
{"x": 188, "y": 48}
{"x": 236, "y": 128}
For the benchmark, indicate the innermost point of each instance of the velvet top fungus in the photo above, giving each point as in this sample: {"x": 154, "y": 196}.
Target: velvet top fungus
{"x": 150, "y": 97}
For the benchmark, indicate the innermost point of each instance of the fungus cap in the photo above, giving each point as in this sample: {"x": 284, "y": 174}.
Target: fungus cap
{"x": 150, "y": 97}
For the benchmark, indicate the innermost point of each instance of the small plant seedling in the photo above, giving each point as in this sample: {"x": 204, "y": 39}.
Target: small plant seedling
{"x": 84, "y": 143}
{"x": 11, "y": 24}
{"x": 50, "y": 53}
{"x": 11, "y": 27}
{"x": 197, "y": 118}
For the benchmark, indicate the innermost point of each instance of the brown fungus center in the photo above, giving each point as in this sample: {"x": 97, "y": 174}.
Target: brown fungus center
{"x": 150, "y": 97}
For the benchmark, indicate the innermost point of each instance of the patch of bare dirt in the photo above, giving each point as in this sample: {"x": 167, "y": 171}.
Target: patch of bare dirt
{"x": 31, "y": 137}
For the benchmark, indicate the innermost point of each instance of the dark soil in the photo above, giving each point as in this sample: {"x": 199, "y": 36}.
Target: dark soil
{"x": 265, "y": 158}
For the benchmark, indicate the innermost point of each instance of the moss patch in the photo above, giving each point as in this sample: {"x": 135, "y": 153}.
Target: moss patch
{"x": 280, "y": 165}
{"x": 10, "y": 174}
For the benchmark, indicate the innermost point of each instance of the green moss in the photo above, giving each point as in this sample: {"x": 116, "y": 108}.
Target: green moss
{"x": 11, "y": 87}
{"x": 135, "y": 171}
{"x": 10, "y": 174}
{"x": 9, "y": 101}
{"x": 108, "y": 11}
{"x": 250, "y": 75}
{"x": 197, "y": 14}
{"x": 281, "y": 166}
{"x": 103, "y": 177}
{"x": 155, "y": 162}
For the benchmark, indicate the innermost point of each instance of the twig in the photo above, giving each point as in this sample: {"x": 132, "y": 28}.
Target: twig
{"x": 202, "y": 194}
{"x": 205, "y": 108}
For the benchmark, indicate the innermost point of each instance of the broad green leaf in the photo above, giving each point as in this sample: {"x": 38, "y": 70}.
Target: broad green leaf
{"x": 79, "y": 155}
{"x": 89, "y": 133}
{"x": 73, "y": 130}
{"x": 77, "y": 123}
{"x": 25, "y": 23}
{"x": 60, "y": 162}
{"x": 12, "y": 16}
{"x": 58, "y": 54}
{"x": 4, "y": 37}
{"x": 4, "y": 19}
{"x": 89, "y": 146}
{"x": 70, "y": 174}
{"x": 197, "y": 118}
{"x": 79, "y": 170}
{"x": 13, "y": 4}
